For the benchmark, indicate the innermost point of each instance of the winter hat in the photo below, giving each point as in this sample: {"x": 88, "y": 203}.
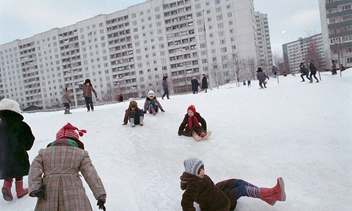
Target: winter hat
{"x": 151, "y": 93}
{"x": 69, "y": 131}
{"x": 192, "y": 165}
{"x": 133, "y": 104}
{"x": 311, "y": 61}
{"x": 192, "y": 108}
{"x": 10, "y": 105}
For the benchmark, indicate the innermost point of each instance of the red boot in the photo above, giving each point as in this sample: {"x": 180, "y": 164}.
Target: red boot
{"x": 19, "y": 189}
{"x": 6, "y": 190}
{"x": 277, "y": 193}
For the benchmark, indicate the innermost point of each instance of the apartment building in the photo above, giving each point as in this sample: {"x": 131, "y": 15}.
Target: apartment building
{"x": 263, "y": 37}
{"x": 304, "y": 49}
{"x": 129, "y": 51}
{"x": 336, "y": 24}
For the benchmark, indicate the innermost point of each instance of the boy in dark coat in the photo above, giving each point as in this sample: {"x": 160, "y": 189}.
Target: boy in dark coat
{"x": 152, "y": 104}
{"x": 199, "y": 188}
{"x": 195, "y": 85}
{"x": 304, "y": 71}
{"x": 16, "y": 139}
{"x": 261, "y": 77}
{"x": 133, "y": 114}
{"x": 313, "y": 71}
{"x": 193, "y": 124}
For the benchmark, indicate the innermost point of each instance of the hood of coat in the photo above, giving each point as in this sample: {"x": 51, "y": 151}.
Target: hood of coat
{"x": 186, "y": 178}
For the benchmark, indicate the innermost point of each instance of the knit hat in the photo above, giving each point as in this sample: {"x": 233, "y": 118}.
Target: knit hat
{"x": 192, "y": 108}
{"x": 69, "y": 131}
{"x": 133, "y": 104}
{"x": 10, "y": 105}
{"x": 192, "y": 165}
{"x": 151, "y": 93}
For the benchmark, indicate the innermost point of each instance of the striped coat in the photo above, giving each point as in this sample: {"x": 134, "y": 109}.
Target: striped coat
{"x": 57, "y": 167}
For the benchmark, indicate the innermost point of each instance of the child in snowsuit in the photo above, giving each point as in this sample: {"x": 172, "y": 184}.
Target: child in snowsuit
{"x": 16, "y": 139}
{"x": 223, "y": 196}
{"x": 193, "y": 124}
{"x": 152, "y": 104}
{"x": 66, "y": 100}
{"x": 87, "y": 88}
{"x": 133, "y": 114}
{"x": 313, "y": 71}
{"x": 261, "y": 77}
{"x": 304, "y": 71}
{"x": 54, "y": 174}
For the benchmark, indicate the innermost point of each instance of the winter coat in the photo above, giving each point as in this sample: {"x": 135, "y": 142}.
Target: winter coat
{"x": 312, "y": 68}
{"x": 16, "y": 139}
{"x": 149, "y": 102}
{"x": 204, "y": 82}
{"x": 262, "y": 76}
{"x": 165, "y": 85}
{"x": 184, "y": 129}
{"x": 65, "y": 97}
{"x": 58, "y": 168}
{"x": 195, "y": 84}
{"x": 274, "y": 69}
{"x": 128, "y": 112}
{"x": 303, "y": 69}
{"x": 204, "y": 192}
{"x": 87, "y": 90}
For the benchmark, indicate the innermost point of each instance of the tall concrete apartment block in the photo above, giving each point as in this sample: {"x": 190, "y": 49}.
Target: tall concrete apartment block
{"x": 336, "y": 24}
{"x": 129, "y": 51}
{"x": 263, "y": 37}
{"x": 304, "y": 49}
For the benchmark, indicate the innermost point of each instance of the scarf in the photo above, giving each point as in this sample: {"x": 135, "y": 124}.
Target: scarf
{"x": 191, "y": 120}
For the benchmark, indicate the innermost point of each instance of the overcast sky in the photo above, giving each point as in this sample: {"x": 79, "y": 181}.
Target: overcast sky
{"x": 19, "y": 19}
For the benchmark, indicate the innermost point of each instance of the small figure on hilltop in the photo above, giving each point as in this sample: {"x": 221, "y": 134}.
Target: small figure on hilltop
{"x": 16, "y": 139}
{"x": 88, "y": 89}
{"x": 248, "y": 78}
{"x": 304, "y": 71}
{"x": 222, "y": 196}
{"x": 333, "y": 67}
{"x": 165, "y": 86}
{"x": 66, "y": 100}
{"x": 195, "y": 85}
{"x": 152, "y": 104}
{"x": 261, "y": 77}
{"x": 274, "y": 70}
{"x": 204, "y": 83}
{"x": 54, "y": 174}
{"x": 194, "y": 124}
{"x": 133, "y": 114}
{"x": 313, "y": 71}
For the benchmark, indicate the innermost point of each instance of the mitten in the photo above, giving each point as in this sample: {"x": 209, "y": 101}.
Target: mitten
{"x": 145, "y": 112}
{"x": 40, "y": 193}
{"x": 179, "y": 133}
{"x": 101, "y": 202}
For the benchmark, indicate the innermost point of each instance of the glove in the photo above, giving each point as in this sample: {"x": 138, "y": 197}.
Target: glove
{"x": 40, "y": 193}
{"x": 101, "y": 202}
{"x": 162, "y": 110}
{"x": 180, "y": 134}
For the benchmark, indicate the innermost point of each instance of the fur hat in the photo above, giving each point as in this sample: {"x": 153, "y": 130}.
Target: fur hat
{"x": 69, "y": 131}
{"x": 10, "y": 105}
{"x": 192, "y": 108}
{"x": 133, "y": 104}
{"x": 192, "y": 165}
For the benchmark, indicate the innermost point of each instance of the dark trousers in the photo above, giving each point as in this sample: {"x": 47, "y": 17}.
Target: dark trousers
{"x": 313, "y": 74}
{"x": 305, "y": 74}
{"x": 166, "y": 92}
{"x": 136, "y": 115}
{"x": 89, "y": 103}
{"x": 261, "y": 84}
{"x": 67, "y": 105}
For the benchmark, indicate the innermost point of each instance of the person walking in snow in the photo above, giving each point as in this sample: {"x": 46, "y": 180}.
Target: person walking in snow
{"x": 133, "y": 114}
{"x": 152, "y": 104}
{"x": 195, "y": 85}
{"x": 88, "y": 89}
{"x": 193, "y": 124}
{"x": 222, "y": 196}
{"x": 313, "y": 71}
{"x": 165, "y": 86}
{"x": 274, "y": 70}
{"x": 54, "y": 174}
{"x": 16, "y": 139}
{"x": 261, "y": 77}
{"x": 333, "y": 67}
{"x": 304, "y": 71}
{"x": 204, "y": 83}
{"x": 248, "y": 78}
{"x": 65, "y": 99}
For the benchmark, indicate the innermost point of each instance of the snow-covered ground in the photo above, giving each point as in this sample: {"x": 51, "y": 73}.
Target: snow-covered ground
{"x": 296, "y": 130}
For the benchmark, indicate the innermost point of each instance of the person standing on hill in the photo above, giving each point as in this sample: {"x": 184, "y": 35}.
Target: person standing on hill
{"x": 274, "y": 70}
{"x": 165, "y": 86}
{"x": 195, "y": 85}
{"x": 88, "y": 89}
{"x": 313, "y": 71}
{"x": 66, "y": 100}
{"x": 333, "y": 67}
{"x": 16, "y": 139}
{"x": 204, "y": 83}
{"x": 261, "y": 77}
{"x": 304, "y": 71}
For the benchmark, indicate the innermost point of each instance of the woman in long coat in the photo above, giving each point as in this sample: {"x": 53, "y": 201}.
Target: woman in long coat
{"x": 54, "y": 174}
{"x": 204, "y": 83}
{"x": 16, "y": 139}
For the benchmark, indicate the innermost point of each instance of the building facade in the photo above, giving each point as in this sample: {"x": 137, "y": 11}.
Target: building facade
{"x": 336, "y": 24}
{"x": 129, "y": 51}
{"x": 263, "y": 36}
{"x": 303, "y": 50}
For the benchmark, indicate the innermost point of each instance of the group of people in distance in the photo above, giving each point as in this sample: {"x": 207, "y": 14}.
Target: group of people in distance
{"x": 305, "y": 71}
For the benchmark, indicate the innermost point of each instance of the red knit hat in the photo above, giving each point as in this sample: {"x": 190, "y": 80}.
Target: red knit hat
{"x": 192, "y": 108}
{"x": 68, "y": 131}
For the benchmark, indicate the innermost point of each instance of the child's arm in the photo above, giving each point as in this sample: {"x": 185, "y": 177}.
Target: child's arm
{"x": 35, "y": 173}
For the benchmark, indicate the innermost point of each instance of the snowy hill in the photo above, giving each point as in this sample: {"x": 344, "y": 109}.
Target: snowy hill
{"x": 297, "y": 130}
